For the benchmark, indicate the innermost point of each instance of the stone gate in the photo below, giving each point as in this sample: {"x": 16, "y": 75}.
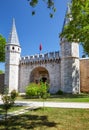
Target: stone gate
{"x": 39, "y": 67}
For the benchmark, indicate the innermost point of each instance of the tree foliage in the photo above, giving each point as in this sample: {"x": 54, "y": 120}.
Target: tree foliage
{"x": 2, "y": 48}
{"x": 1, "y": 72}
{"x": 49, "y": 3}
{"x": 77, "y": 29}
{"x": 8, "y": 102}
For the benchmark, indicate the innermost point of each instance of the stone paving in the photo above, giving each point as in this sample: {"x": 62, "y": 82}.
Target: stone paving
{"x": 54, "y": 104}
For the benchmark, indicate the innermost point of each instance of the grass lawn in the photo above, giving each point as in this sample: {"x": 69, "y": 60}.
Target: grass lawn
{"x": 50, "y": 119}
{"x": 12, "y": 109}
{"x": 61, "y": 98}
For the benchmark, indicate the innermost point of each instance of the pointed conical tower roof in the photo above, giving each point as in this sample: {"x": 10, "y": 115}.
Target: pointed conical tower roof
{"x": 68, "y": 12}
{"x": 13, "y": 37}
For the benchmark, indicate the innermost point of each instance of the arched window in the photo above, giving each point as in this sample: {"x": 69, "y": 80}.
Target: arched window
{"x": 13, "y": 48}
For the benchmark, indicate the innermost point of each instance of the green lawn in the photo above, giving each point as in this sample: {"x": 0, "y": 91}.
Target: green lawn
{"x": 61, "y": 98}
{"x": 12, "y": 109}
{"x": 50, "y": 119}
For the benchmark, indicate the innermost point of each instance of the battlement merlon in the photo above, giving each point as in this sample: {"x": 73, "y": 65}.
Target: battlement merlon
{"x": 40, "y": 57}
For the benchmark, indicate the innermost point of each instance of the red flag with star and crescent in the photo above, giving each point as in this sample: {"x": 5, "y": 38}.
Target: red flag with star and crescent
{"x": 40, "y": 47}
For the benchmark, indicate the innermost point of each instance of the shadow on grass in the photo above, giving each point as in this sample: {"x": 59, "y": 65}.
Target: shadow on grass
{"x": 27, "y": 122}
{"x": 1, "y": 109}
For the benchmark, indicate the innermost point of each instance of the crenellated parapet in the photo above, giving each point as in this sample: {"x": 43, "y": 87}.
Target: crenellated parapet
{"x": 47, "y": 57}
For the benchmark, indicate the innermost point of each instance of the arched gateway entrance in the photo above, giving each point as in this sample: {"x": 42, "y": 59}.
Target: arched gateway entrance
{"x": 39, "y": 74}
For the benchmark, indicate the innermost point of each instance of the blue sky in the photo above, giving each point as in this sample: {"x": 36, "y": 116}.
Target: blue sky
{"x": 33, "y": 30}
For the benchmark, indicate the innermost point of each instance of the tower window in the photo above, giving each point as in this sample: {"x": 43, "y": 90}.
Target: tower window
{"x": 13, "y": 48}
{"x": 7, "y": 48}
{"x": 18, "y": 49}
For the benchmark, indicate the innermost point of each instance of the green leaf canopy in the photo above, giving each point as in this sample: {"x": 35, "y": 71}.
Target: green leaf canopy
{"x": 2, "y": 48}
{"x": 77, "y": 29}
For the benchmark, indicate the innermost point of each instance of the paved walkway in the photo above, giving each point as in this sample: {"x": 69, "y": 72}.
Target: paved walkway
{"x": 54, "y": 104}
{"x": 18, "y": 112}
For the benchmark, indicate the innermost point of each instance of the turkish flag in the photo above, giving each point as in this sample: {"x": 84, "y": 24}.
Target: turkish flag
{"x": 40, "y": 47}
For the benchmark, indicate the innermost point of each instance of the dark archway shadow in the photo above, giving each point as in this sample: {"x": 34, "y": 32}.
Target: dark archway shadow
{"x": 38, "y": 74}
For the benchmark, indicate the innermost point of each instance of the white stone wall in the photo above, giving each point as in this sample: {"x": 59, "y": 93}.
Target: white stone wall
{"x": 69, "y": 49}
{"x": 24, "y": 77}
{"x": 13, "y": 78}
{"x": 12, "y": 66}
{"x": 53, "y": 69}
{"x": 70, "y": 72}
{"x": 70, "y": 81}
{"x": 75, "y": 50}
{"x": 55, "y": 77}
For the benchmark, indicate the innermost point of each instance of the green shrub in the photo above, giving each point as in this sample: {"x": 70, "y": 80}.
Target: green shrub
{"x": 60, "y": 92}
{"x": 13, "y": 95}
{"x": 32, "y": 90}
{"x": 36, "y": 90}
